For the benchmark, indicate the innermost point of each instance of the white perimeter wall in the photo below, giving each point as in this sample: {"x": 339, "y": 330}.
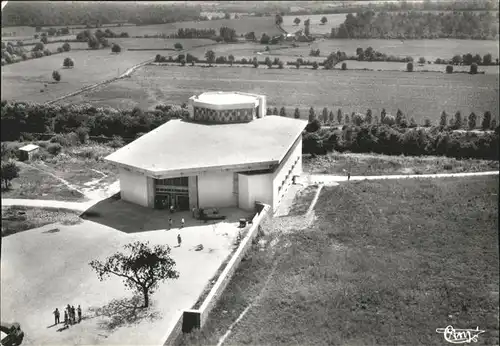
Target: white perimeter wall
{"x": 292, "y": 165}
{"x": 254, "y": 188}
{"x": 216, "y": 190}
{"x": 133, "y": 187}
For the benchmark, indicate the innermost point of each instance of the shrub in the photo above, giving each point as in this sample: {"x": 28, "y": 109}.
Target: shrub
{"x": 9, "y": 171}
{"x": 421, "y": 60}
{"x": 389, "y": 120}
{"x": 60, "y": 49}
{"x": 66, "y": 47}
{"x": 24, "y": 56}
{"x": 427, "y": 122}
{"x": 44, "y": 40}
{"x": 344, "y": 66}
{"x": 486, "y": 123}
{"x": 83, "y": 134}
{"x": 472, "y": 121}
{"x": 409, "y": 67}
{"x": 68, "y": 62}
{"x": 315, "y": 65}
{"x": 116, "y": 48}
{"x": 313, "y": 126}
{"x": 449, "y": 69}
{"x": 473, "y": 68}
{"x": 116, "y": 142}
{"x": 280, "y": 64}
{"x": 178, "y": 46}
{"x": 56, "y": 76}
{"x": 39, "y": 46}
{"x": 47, "y": 52}
{"x": 54, "y": 148}
{"x": 296, "y": 114}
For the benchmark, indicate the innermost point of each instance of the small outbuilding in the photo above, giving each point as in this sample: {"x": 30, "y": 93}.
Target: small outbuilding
{"x": 26, "y": 152}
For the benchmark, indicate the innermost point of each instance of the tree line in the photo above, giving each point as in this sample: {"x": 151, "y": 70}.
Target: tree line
{"x": 417, "y": 25}
{"x": 20, "y": 13}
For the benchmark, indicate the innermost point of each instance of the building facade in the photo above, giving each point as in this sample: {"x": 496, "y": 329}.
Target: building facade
{"x": 229, "y": 153}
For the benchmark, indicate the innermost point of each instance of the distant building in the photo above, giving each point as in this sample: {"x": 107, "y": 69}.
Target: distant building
{"x": 228, "y": 153}
{"x": 26, "y": 153}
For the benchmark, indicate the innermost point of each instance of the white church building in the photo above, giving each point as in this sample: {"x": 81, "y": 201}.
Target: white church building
{"x": 228, "y": 153}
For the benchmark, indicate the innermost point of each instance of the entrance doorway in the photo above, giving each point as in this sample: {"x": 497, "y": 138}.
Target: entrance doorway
{"x": 172, "y": 192}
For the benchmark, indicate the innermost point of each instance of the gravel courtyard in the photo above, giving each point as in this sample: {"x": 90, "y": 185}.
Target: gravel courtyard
{"x": 47, "y": 267}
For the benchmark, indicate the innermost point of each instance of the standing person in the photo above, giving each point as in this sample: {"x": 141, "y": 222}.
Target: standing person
{"x": 182, "y": 222}
{"x": 179, "y": 240}
{"x": 79, "y": 314}
{"x": 66, "y": 321}
{"x": 348, "y": 175}
{"x": 170, "y": 223}
{"x": 68, "y": 309}
{"x": 73, "y": 314}
{"x": 194, "y": 212}
{"x": 56, "y": 316}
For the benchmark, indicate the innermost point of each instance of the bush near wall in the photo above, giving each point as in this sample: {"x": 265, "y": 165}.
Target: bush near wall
{"x": 394, "y": 140}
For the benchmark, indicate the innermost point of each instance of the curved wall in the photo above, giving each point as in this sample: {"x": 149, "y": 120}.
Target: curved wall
{"x": 239, "y": 115}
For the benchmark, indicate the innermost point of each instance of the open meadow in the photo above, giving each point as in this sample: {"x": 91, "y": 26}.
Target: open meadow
{"x": 418, "y": 95}
{"x": 24, "y": 81}
{"x": 384, "y": 263}
{"x": 334, "y": 21}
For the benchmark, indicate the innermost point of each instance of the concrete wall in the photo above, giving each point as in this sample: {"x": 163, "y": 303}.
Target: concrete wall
{"x": 216, "y": 190}
{"x": 133, "y": 187}
{"x": 255, "y": 188}
{"x": 193, "y": 192}
{"x": 293, "y": 162}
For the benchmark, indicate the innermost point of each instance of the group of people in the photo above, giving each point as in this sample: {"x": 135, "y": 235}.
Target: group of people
{"x": 70, "y": 315}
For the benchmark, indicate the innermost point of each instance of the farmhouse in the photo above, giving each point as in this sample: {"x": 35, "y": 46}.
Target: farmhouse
{"x": 227, "y": 153}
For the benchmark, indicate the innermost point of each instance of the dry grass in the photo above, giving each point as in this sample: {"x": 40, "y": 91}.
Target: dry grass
{"x": 302, "y": 201}
{"x": 375, "y": 164}
{"x": 18, "y": 219}
{"x": 385, "y": 263}
{"x": 418, "y": 95}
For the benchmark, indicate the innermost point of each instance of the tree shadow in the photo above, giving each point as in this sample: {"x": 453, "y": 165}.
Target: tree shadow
{"x": 122, "y": 312}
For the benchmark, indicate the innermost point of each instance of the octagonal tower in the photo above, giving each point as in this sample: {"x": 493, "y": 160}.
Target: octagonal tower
{"x": 226, "y": 107}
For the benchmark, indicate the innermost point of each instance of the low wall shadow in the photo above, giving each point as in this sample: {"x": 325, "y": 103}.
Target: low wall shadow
{"x": 132, "y": 218}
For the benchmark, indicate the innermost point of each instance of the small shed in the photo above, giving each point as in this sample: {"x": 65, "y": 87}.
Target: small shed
{"x": 26, "y": 152}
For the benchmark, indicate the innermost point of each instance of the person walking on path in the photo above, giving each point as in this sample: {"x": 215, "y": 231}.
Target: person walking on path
{"x": 348, "y": 175}
{"x": 179, "y": 240}
{"x": 56, "y": 316}
{"x": 182, "y": 223}
{"x": 79, "y": 310}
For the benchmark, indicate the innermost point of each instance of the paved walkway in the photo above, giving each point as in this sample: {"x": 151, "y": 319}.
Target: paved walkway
{"x": 48, "y": 203}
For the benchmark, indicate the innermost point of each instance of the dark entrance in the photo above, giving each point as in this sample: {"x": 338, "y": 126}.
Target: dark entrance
{"x": 172, "y": 192}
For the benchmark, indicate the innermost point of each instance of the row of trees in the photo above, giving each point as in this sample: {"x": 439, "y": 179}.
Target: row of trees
{"x": 469, "y": 59}
{"x": 195, "y": 33}
{"x": 323, "y": 20}
{"x": 13, "y": 54}
{"x": 417, "y": 25}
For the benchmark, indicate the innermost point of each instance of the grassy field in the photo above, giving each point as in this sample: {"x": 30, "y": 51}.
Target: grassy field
{"x": 429, "y": 49}
{"x": 18, "y": 219}
{"x": 24, "y": 80}
{"x": 385, "y": 263}
{"x": 401, "y": 66}
{"x": 418, "y": 95}
{"x": 334, "y": 20}
{"x": 375, "y": 164}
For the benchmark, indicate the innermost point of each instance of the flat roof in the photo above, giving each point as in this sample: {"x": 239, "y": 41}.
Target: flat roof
{"x": 182, "y": 145}
{"x": 29, "y": 147}
{"x": 225, "y": 98}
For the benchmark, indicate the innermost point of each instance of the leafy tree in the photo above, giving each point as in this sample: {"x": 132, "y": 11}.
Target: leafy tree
{"x": 473, "y": 68}
{"x": 486, "y": 123}
{"x": 325, "y": 115}
{"x": 278, "y": 19}
{"x": 178, "y": 46}
{"x": 264, "y": 39}
{"x": 458, "y": 120}
{"x": 9, "y": 171}
{"x": 250, "y": 36}
{"x": 339, "y": 116}
{"x": 312, "y": 114}
{"x": 456, "y": 60}
{"x": 227, "y": 15}
{"x": 280, "y": 65}
{"x": 494, "y": 125}
{"x": 413, "y": 123}
{"x": 443, "y": 119}
{"x": 44, "y": 40}
{"x": 66, "y": 47}
{"x": 296, "y": 114}
{"x": 282, "y": 112}
{"x": 449, "y": 69}
{"x": 357, "y": 119}
{"x": 68, "y": 62}
{"x": 399, "y": 117}
{"x": 275, "y": 111}
{"x": 347, "y": 119}
{"x": 255, "y": 63}
{"x": 315, "y": 65}
{"x": 427, "y": 122}
{"x": 375, "y": 119}
{"x": 38, "y": 46}
{"x": 296, "y": 20}
{"x": 472, "y": 121}
{"x": 344, "y": 66}
{"x": 409, "y": 67}
{"x": 313, "y": 126}
{"x": 143, "y": 268}
{"x": 116, "y": 48}
{"x": 269, "y": 63}
{"x": 383, "y": 114}
{"x": 487, "y": 59}
{"x": 324, "y": 20}
{"x": 421, "y": 60}
{"x": 331, "y": 117}
{"x": 360, "y": 52}
{"x": 389, "y": 120}
{"x": 93, "y": 42}
{"x": 210, "y": 56}
{"x": 230, "y": 58}
{"x": 56, "y": 76}
{"x": 297, "y": 63}
{"x": 368, "y": 117}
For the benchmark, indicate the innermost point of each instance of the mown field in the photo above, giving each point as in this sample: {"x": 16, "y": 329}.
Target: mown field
{"x": 418, "y": 95}
{"x": 334, "y": 20}
{"x": 429, "y": 49}
{"x": 24, "y": 80}
{"x": 385, "y": 263}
